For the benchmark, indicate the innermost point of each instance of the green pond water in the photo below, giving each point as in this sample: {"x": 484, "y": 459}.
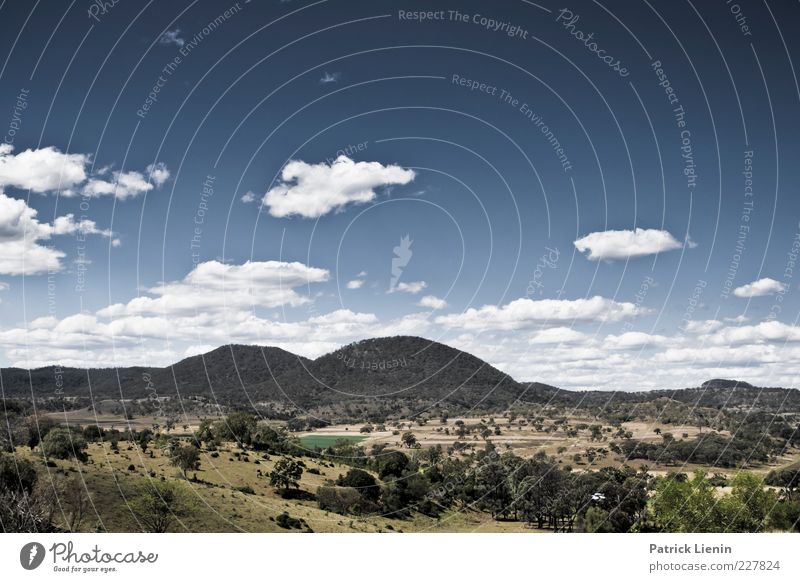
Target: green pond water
{"x": 325, "y": 440}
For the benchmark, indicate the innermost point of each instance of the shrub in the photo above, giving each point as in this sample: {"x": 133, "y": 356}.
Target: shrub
{"x": 344, "y": 500}
{"x": 62, "y": 443}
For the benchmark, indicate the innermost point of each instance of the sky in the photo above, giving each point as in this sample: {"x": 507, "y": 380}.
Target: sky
{"x": 598, "y": 195}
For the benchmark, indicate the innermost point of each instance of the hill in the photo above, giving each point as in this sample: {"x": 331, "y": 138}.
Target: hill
{"x": 394, "y": 370}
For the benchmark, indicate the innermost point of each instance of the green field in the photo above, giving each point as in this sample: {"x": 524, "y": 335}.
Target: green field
{"x": 325, "y": 440}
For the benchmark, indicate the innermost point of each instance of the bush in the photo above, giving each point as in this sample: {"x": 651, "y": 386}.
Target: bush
{"x": 286, "y": 521}
{"x": 344, "y": 501}
{"x": 62, "y": 443}
{"x": 363, "y": 482}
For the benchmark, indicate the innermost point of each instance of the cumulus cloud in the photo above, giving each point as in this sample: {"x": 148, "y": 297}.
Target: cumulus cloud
{"x": 248, "y": 197}
{"x": 634, "y": 340}
{"x": 412, "y": 287}
{"x": 313, "y": 190}
{"x": 127, "y": 184}
{"x": 522, "y": 313}
{"x": 612, "y": 245}
{"x": 158, "y": 173}
{"x": 432, "y": 302}
{"x": 48, "y": 170}
{"x": 41, "y": 170}
{"x": 355, "y": 284}
{"x": 702, "y": 326}
{"x": 765, "y": 286}
{"x": 766, "y": 331}
{"x": 558, "y": 335}
{"x": 213, "y": 287}
{"x": 22, "y": 234}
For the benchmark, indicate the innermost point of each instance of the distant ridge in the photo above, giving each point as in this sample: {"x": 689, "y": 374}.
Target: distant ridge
{"x": 398, "y": 368}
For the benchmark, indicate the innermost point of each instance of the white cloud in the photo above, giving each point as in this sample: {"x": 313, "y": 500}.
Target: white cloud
{"x": 557, "y": 335}
{"x": 329, "y": 78}
{"x": 765, "y": 286}
{"x": 355, "y": 284}
{"x": 432, "y": 302}
{"x": 766, "y": 331}
{"x": 703, "y": 326}
{"x": 611, "y": 245}
{"x": 412, "y": 287}
{"x": 48, "y": 170}
{"x": 313, "y": 190}
{"x": 213, "y": 287}
{"x": 172, "y": 37}
{"x": 127, "y": 184}
{"x": 158, "y": 173}
{"x": 41, "y": 170}
{"x": 522, "y": 313}
{"x": 634, "y": 340}
{"x": 248, "y": 197}
{"x": 21, "y": 235}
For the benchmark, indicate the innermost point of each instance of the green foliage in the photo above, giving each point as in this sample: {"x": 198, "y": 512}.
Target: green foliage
{"x": 393, "y": 463}
{"x": 185, "y": 457}
{"x": 156, "y": 505}
{"x": 63, "y": 443}
{"x": 362, "y": 481}
{"x": 692, "y": 506}
{"x": 286, "y": 474}
{"x": 237, "y": 426}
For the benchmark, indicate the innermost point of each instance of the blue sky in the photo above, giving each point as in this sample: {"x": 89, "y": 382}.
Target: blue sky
{"x": 594, "y": 196}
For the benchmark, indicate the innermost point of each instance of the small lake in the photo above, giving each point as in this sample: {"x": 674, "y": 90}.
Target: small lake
{"x": 323, "y": 441}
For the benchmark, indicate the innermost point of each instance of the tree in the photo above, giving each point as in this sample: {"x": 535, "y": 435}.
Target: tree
{"x": 286, "y": 474}
{"x": 62, "y": 443}
{"x": 38, "y": 428}
{"x": 185, "y": 457}
{"x": 492, "y": 488}
{"x": 409, "y": 440}
{"x": 363, "y": 482}
{"x": 596, "y": 520}
{"x": 747, "y": 507}
{"x": 25, "y": 506}
{"x": 686, "y": 506}
{"x": 156, "y": 505}
{"x": 143, "y": 438}
{"x": 238, "y": 427}
{"x": 392, "y": 463}
{"x": 75, "y": 503}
